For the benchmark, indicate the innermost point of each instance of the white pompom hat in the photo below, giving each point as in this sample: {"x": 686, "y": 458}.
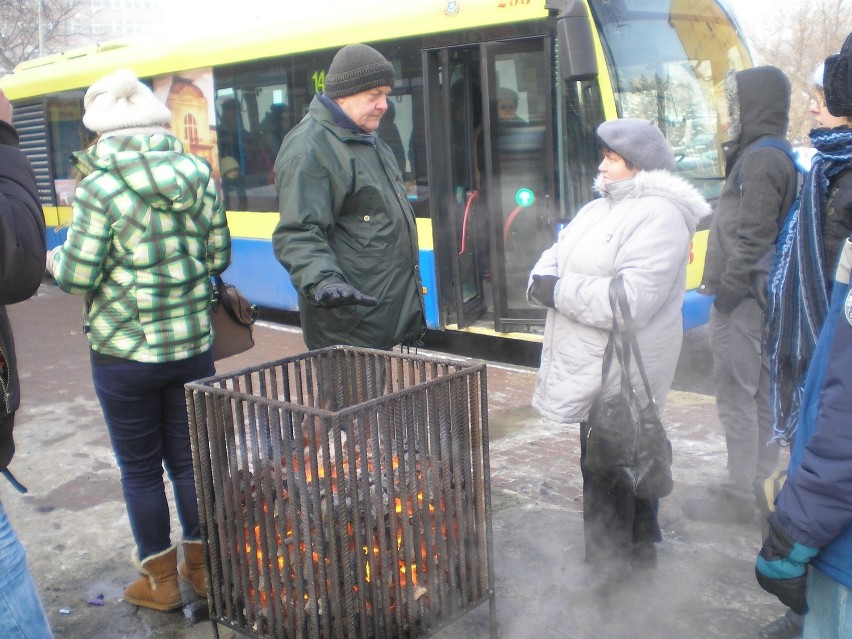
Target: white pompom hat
{"x": 120, "y": 104}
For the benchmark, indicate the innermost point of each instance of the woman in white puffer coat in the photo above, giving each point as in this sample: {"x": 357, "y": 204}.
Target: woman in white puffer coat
{"x": 640, "y": 229}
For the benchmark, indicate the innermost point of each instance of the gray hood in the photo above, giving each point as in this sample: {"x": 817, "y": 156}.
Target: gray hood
{"x": 758, "y": 104}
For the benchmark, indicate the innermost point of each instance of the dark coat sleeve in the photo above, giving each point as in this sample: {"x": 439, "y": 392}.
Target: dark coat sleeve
{"x": 815, "y": 504}
{"x": 22, "y": 230}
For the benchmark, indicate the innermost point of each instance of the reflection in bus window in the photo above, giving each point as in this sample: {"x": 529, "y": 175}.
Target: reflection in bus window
{"x": 253, "y": 114}
{"x": 669, "y": 67}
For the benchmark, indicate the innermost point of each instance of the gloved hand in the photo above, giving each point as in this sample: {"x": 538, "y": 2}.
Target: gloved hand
{"x": 760, "y": 284}
{"x": 341, "y": 294}
{"x": 726, "y": 301}
{"x": 781, "y": 568}
{"x": 542, "y": 289}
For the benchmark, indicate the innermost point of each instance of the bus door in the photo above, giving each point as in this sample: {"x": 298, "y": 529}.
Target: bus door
{"x": 454, "y": 130}
{"x": 518, "y": 177}
{"x": 492, "y": 177}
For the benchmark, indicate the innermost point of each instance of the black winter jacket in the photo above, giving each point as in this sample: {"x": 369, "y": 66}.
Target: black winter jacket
{"x": 838, "y": 217}
{"x": 759, "y": 187}
{"x": 22, "y": 256}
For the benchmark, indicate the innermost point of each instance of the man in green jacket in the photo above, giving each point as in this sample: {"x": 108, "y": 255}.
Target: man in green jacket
{"x": 347, "y": 234}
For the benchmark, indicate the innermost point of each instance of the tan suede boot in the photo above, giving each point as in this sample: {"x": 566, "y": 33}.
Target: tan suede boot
{"x": 191, "y": 569}
{"x": 158, "y": 587}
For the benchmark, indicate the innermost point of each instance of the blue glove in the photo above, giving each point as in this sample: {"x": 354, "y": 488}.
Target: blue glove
{"x": 781, "y": 568}
{"x": 543, "y": 288}
{"x": 341, "y": 294}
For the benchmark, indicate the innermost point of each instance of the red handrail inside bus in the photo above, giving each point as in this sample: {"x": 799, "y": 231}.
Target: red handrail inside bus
{"x": 473, "y": 195}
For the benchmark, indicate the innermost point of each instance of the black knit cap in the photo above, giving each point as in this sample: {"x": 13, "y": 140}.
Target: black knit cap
{"x": 837, "y": 81}
{"x": 356, "y": 68}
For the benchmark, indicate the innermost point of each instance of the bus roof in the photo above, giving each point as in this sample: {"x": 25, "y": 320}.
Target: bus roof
{"x": 312, "y": 26}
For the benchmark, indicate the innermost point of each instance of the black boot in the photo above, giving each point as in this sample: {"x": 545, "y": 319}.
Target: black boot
{"x": 789, "y": 626}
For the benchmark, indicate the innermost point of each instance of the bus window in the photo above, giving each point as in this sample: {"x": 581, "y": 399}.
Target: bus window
{"x": 667, "y": 60}
{"x": 254, "y": 111}
{"x": 67, "y": 135}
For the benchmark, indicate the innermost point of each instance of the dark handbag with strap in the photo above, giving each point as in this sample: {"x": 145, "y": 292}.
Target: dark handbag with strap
{"x": 232, "y": 318}
{"x": 625, "y": 438}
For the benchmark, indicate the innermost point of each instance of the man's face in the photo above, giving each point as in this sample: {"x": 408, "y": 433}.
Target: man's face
{"x": 366, "y": 108}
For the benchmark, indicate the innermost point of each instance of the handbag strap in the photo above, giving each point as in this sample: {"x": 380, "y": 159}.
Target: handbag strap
{"x": 618, "y": 301}
{"x": 225, "y": 300}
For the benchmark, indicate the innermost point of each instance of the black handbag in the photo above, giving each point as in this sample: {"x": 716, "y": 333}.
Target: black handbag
{"x": 232, "y": 318}
{"x": 625, "y": 438}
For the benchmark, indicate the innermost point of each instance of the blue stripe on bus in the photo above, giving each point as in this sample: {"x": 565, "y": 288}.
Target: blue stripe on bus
{"x": 696, "y": 309}
{"x": 263, "y": 281}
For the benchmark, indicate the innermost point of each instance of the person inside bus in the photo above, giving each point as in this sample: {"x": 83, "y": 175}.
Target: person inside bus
{"x": 22, "y": 233}
{"x": 233, "y": 184}
{"x": 800, "y": 293}
{"x": 507, "y": 107}
{"x": 148, "y": 230}
{"x": 759, "y": 190}
{"x": 639, "y": 229}
{"x": 347, "y": 234}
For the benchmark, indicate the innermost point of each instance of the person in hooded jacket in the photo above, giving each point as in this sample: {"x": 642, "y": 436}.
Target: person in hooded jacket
{"x": 148, "y": 230}
{"x": 22, "y": 234}
{"x": 347, "y": 233}
{"x": 639, "y": 229}
{"x": 759, "y": 190}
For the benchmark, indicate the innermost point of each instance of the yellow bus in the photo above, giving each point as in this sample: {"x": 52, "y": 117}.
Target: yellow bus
{"x": 488, "y": 198}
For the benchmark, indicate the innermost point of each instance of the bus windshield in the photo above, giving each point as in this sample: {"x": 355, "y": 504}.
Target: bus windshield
{"x": 668, "y": 60}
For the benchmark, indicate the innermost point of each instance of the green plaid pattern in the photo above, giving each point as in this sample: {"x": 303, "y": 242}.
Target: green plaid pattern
{"x": 148, "y": 230}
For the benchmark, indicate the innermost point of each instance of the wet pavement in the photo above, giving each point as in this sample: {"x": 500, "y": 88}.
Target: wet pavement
{"x": 74, "y": 524}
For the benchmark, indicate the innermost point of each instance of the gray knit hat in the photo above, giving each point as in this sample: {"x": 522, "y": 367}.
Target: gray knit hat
{"x": 639, "y": 142}
{"x": 837, "y": 81}
{"x": 356, "y": 68}
{"x": 120, "y": 103}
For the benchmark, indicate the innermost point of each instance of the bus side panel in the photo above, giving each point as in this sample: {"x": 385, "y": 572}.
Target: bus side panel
{"x": 263, "y": 281}
{"x": 259, "y": 276}
{"x": 696, "y": 309}
{"x": 430, "y": 285}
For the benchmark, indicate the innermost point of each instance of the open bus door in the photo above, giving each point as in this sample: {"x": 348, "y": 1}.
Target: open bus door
{"x": 454, "y": 126}
{"x": 519, "y": 171}
{"x": 492, "y": 177}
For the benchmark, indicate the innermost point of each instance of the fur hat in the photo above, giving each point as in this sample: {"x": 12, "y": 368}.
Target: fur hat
{"x": 837, "y": 81}
{"x": 639, "y": 142}
{"x": 356, "y": 68}
{"x": 119, "y": 103}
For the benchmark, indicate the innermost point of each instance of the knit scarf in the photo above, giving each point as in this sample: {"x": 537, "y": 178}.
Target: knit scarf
{"x": 799, "y": 285}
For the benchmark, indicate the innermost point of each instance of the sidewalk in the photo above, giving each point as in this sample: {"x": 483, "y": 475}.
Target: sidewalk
{"x": 74, "y": 525}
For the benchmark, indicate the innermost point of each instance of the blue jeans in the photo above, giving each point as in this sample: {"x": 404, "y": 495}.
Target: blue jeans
{"x": 144, "y": 406}
{"x": 830, "y": 604}
{"x": 21, "y": 613}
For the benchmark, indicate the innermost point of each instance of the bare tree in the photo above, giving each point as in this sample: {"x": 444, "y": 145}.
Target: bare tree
{"x": 30, "y": 28}
{"x": 796, "y": 37}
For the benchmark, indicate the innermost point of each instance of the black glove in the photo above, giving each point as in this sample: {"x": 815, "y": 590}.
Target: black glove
{"x": 341, "y": 294}
{"x": 726, "y": 301}
{"x": 781, "y": 568}
{"x": 542, "y": 289}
